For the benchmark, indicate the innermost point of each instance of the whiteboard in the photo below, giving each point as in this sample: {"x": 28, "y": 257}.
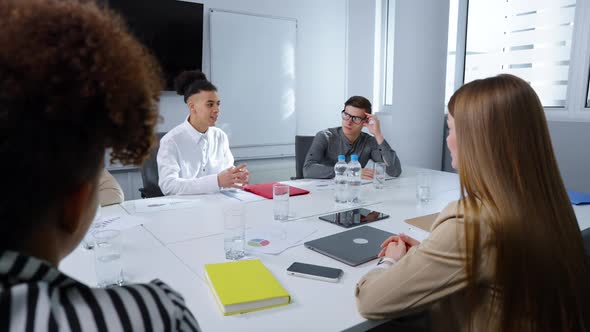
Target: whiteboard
{"x": 253, "y": 67}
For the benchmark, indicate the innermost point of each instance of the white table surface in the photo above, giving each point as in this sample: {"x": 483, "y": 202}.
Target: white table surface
{"x": 175, "y": 245}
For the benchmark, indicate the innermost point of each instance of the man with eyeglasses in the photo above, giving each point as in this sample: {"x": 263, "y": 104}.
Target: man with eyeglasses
{"x": 348, "y": 140}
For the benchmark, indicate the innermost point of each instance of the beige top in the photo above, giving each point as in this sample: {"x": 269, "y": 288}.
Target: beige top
{"x": 109, "y": 190}
{"x": 432, "y": 276}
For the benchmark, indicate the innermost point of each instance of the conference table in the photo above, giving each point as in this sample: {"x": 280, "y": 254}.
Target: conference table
{"x": 174, "y": 244}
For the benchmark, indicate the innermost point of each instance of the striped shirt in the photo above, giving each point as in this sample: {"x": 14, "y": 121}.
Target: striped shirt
{"x": 34, "y": 296}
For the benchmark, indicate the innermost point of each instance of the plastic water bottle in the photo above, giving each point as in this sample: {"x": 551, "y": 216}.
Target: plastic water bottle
{"x": 354, "y": 179}
{"x": 340, "y": 179}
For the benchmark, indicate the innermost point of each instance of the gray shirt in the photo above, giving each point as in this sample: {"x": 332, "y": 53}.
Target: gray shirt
{"x": 329, "y": 143}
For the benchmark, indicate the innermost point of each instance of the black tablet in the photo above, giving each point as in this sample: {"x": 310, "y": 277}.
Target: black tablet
{"x": 355, "y": 217}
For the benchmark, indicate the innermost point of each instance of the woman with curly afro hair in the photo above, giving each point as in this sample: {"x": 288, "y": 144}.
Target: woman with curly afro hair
{"x": 73, "y": 82}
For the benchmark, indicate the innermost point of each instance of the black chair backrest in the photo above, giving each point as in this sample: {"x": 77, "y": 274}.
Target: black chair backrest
{"x": 586, "y": 240}
{"x": 149, "y": 173}
{"x": 302, "y": 145}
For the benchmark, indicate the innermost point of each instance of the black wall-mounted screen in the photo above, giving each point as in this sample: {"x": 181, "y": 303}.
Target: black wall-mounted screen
{"x": 171, "y": 29}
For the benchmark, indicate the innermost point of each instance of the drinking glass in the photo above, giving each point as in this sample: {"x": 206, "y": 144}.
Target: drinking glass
{"x": 88, "y": 240}
{"x": 379, "y": 175}
{"x": 280, "y": 197}
{"x": 107, "y": 258}
{"x": 234, "y": 233}
{"x": 423, "y": 180}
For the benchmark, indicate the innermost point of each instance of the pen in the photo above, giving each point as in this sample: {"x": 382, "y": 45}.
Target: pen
{"x": 156, "y": 205}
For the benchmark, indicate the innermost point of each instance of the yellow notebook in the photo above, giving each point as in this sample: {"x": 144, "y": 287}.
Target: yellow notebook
{"x": 244, "y": 286}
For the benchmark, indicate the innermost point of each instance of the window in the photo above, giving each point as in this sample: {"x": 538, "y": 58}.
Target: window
{"x": 527, "y": 38}
{"x": 389, "y": 42}
{"x": 452, "y": 51}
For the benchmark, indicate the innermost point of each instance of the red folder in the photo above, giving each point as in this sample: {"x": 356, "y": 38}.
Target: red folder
{"x": 265, "y": 190}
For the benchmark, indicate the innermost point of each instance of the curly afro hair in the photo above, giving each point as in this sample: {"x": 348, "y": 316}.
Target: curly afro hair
{"x": 73, "y": 82}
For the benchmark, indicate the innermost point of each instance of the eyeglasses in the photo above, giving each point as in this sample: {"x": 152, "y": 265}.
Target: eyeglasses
{"x": 355, "y": 119}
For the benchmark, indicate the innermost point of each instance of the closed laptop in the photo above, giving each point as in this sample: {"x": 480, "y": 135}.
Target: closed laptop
{"x": 352, "y": 247}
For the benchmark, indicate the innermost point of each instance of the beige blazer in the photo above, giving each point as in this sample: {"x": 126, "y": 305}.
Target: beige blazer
{"x": 432, "y": 276}
{"x": 109, "y": 190}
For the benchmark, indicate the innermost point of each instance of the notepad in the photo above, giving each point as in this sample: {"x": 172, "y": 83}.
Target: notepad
{"x": 578, "y": 198}
{"x": 265, "y": 190}
{"x": 244, "y": 286}
{"x": 424, "y": 222}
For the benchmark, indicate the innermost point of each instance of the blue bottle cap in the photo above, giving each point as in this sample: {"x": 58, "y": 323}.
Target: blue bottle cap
{"x": 341, "y": 157}
{"x": 354, "y": 157}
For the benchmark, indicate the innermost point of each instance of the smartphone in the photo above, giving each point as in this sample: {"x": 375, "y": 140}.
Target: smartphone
{"x": 355, "y": 217}
{"x": 316, "y": 272}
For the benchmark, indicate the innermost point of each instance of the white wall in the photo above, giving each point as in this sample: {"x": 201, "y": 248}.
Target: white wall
{"x": 335, "y": 59}
{"x": 361, "y": 48}
{"x": 320, "y": 74}
{"x": 416, "y": 127}
{"x": 320, "y": 60}
{"x": 413, "y": 125}
{"x": 570, "y": 143}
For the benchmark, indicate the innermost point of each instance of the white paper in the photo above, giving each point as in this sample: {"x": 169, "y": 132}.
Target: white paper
{"x": 163, "y": 203}
{"x": 369, "y": 181}
{"x": 317, "y": 184}
{"x": 242, "y": 195}
{"x": 117, "y": 223}
{"x": 324, "y": 184}
{"x": 274, "y": 239}
{"x": 299, "y": 183}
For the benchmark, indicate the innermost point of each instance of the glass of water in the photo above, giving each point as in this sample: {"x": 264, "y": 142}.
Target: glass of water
{"x": 379, "y": 175}
{"x": 107, "y": 258}
{"x": 88, "y": 240}
{"x": 234, "y": 233}
{"x": 280, "y": 197}
{"x": 423, "y": 187}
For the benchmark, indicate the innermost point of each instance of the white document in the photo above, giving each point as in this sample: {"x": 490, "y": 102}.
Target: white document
{"x": 242, "y": 195}
{"x": 163, "y": 203}
{"x": 317, "y": 184}
{"x": 274, "y": 239}
{"x": 324, "y": 184}
{"x": 117, "y": 223}
{"x": 369, "y": 181}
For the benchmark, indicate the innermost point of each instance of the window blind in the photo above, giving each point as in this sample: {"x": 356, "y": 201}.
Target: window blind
{"x": 527, "y": 38}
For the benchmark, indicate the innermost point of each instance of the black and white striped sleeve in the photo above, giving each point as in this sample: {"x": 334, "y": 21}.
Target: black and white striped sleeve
{"x": 34, "y": 296}
{"x": 138, "y": 307}
{"x": 184, "y": 319}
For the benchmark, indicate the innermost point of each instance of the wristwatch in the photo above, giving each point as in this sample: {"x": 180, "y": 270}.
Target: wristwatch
{"x": 384, "y": 259}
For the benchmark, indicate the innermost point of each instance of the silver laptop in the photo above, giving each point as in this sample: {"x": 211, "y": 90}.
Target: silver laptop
{"x": 353, "y": 247}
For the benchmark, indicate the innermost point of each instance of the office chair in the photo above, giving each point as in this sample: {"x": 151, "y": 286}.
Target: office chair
{"x": 302, "y": 145}
{"x": 149, "y": 173}
{"x": 586, "y": 240}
